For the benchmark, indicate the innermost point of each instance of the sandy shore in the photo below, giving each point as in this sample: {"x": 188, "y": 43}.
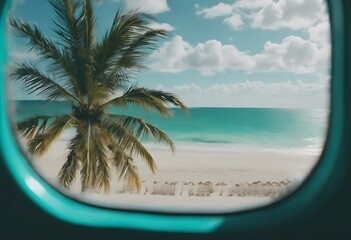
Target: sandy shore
{"x": 197, "y": 179}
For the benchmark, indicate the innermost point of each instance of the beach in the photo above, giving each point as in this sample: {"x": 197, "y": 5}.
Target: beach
{"x": 238, "y": 179}
{"x": 225, "y": 158}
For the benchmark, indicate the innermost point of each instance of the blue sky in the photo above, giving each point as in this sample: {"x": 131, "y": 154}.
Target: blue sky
{"x": 244, "y": 53}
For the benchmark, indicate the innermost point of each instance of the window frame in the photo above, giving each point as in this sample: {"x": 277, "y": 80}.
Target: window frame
{"x": 311, "y": 194}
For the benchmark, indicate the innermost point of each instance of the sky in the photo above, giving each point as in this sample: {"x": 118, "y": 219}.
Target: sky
{"x": 230, "y": 53}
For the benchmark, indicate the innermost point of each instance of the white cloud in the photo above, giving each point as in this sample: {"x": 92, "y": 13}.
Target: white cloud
{"x": 320, "y": 34}
{"x": 293, "y": 54}
{"x": 212, "y": 56}
{"x": 270, "y": 14}
{"x": 148, "y": 6}
{"x": 163, "y": 26}
{"x": 250, "y": 4}
{"x": 224, "y": 9}
{"x": 294, "y": 14}
{"x": 189, "y": 88}
{"x": 234, "y": 21}
{"x": 209, "y": 57}
{"x": 298, "y": 94}
{"x": 169, "y": 58}
{"x": 218, "y": 10}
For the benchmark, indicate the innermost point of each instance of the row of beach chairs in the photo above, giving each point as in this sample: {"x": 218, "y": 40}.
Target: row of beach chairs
{"x": 258, "y": 188}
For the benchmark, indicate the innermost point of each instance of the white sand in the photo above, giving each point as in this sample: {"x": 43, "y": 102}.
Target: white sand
{"x": 232, "y": 166}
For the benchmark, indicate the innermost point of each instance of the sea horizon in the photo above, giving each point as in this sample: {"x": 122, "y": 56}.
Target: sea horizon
{"x": 189, "y": 107}
{"x": 217, "y": 128}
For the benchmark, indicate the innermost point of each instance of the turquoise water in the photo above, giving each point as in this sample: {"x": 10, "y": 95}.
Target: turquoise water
{"x": 224, "y": 128}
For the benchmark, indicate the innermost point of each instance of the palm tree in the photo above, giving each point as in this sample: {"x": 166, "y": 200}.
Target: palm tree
{"x": 87, "y": 73}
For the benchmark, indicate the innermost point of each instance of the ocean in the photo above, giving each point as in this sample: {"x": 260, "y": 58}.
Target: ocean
{"x": 220, "y": 129}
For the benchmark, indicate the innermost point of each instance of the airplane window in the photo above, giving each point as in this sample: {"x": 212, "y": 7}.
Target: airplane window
{"x": 171, "y": 105}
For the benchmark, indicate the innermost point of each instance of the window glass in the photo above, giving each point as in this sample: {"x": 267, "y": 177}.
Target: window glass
{"x": 171, "y": 105}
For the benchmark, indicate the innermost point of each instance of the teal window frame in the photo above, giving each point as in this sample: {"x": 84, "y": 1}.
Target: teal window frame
{"x": 305, "y": 198}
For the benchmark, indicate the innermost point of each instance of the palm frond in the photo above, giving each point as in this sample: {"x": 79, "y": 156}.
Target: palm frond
{"x": 109, "y": 82}
{"x": 71, "y": 30}
{"x": 102, "y": 170}
{"x": 37, "y": 82}
{"x": 95, "y": 172}
{"x": 123, "y": 47}
{"x": 70, "y": 168}
{"x": 66, "y": 22}
{"x": 131, "y": 174}
{"x": 41, "y": 142}
{"x": 128, "y": 170}
{"x": 140, "y": 128}
{"x": 126, "y": 141}
{"x": 167, "y": 97}
{"x": 149, "y": 99}
{"x": 61, "y": 63}
{"x": 33, "y": 126}
{"x": 132, "y": 57}
{"x": 87, "y": 151}
{"x": 122, "y": 162}
{"x": 88, "y": 24}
